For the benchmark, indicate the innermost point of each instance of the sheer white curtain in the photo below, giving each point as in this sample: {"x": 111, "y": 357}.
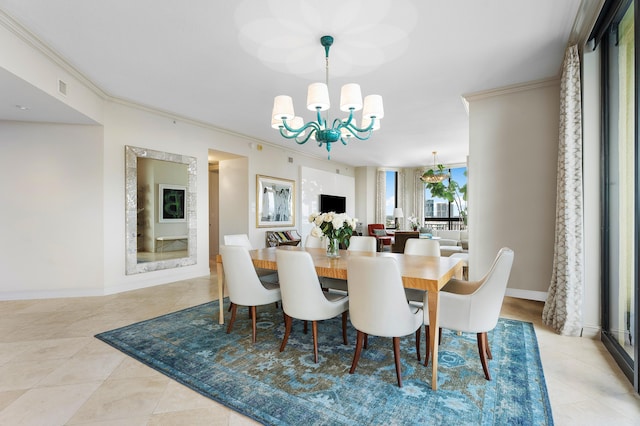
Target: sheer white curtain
{"x": 563, "y": 308}
{"x": 419, "y": 196}
{"x": 381, "y": 185}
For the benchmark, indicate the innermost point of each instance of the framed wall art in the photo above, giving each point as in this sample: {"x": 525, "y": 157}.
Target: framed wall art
{"x": 275, "y": 201}
{"x": 171, "y": 203}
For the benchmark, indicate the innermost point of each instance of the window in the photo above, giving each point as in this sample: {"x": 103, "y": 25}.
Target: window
{"x": 391, "y": 198}
{"x": 445, "y": 213}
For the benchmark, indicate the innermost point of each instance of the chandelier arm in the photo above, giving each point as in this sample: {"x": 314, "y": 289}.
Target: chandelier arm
{"x": 356, "y": 132}
{"x": 321, "y": 122}
{"x": 296, "y": 132}
{"x": 344, "y": 142}
{"x": 369, "y": 128}
{"x": 306, "y": 138}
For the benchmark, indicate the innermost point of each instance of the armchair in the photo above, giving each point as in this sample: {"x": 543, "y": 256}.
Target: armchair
{"x": 382, "y": 238}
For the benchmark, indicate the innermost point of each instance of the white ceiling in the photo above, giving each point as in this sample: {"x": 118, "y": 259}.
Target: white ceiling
{"x": 222, "y": 62}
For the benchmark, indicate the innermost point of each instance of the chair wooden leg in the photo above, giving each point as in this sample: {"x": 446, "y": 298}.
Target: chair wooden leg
{"x": 306, "y": 327}
{"x": 344, "y": 328}
{"x": 396, "y": 356}
{"x": 233, "y": 307}
{"x": 486, "y": 344}
{"x": 366, "y": 341}
{"x": 418, "y": 342}
{"x": 253, "y": 323}
{"x": 482, "y": 350}
{"x": 314, "y": 331}
{"x": 356, "y": 355}
{"x": 427, "y": 351}
{"x": 230, "y": 306}
{"x": 287, "y": 330}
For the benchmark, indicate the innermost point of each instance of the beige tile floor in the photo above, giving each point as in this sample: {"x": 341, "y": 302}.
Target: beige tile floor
{"x": 54, "y": 372}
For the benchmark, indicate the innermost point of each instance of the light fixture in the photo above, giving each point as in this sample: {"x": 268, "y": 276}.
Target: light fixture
{"x": 342, "y": 129}
{"x": 435, "y": 175}
{"x": 398, "y": 214}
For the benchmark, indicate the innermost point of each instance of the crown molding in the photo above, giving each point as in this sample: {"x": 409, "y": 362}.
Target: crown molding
{"x": 516, "y": 88}
{"x": 32, "y": 40}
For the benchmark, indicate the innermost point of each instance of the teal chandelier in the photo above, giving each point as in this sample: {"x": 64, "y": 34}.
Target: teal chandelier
{"x": 342, "y": 129}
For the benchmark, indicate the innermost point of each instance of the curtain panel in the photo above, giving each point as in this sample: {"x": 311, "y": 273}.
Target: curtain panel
{"x": 381, "y": 184}
{"x": 563, "y": 307}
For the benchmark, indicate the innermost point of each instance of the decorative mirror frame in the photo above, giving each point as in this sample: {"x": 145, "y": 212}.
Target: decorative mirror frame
{"x": 132, "y": 154}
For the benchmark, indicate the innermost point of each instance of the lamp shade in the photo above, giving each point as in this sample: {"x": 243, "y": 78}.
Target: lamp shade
{"x": 397, "y": 212}
{"x": 373, "y": 107}
{"x": 282, "y": 108}
{"x": 350, "y": 97}
{"x": 318, "y": 97}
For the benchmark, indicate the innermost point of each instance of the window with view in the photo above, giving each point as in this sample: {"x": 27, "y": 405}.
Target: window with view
{"x": 391, "y": 198}
{"x": 445, "y": 204}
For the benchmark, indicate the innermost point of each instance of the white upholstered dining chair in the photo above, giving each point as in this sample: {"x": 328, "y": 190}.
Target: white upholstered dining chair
{"x": 474, "y": 306}
{"x": 244, "y": 286}
{"x": 356, "y": 243}
{"x": 315, "y": 242}
{"x": 378, "y": 307}
{"x": 420, "y": 247}
{"x": 265, "y": 275}
{"x": 362, "y": 243}
{"x": 303, "y": 298}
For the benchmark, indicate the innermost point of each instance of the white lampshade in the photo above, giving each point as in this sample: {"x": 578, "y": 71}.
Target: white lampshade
{"x": 397, "y": 212}
{"x": 373, "y": 107}
{"x": 276, "y": 122}
{"x": 283, "y": 107}
{"x": 366, "y": 121}
{"x": 318, "y": 97}
{"x": 350, "y": 97}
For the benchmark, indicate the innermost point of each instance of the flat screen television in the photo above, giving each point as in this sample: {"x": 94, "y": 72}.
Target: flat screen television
{"x": 332, "y": 203}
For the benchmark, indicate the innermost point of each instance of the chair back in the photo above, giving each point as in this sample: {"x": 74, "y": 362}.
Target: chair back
{"x": 302, "y": 295}
{"x": 315, "y": 242}
{"x": 422, "y": 247}
{"x": 238, "y": 240}
{"x": 377, "y": 302}
{"x": 478, "y": 312}
{"x": 372, "y": 226}
{"x": 362, "y": 243}
{"x": 241, "y": 278}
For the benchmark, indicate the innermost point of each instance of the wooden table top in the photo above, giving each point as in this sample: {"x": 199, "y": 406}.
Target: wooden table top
{"x": 419, "y": 272}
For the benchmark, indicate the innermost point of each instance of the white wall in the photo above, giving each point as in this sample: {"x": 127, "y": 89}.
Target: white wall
{"x": 52, "y": 210}
{"x": 513, "y": 140}
{"x": 314, "y": 182}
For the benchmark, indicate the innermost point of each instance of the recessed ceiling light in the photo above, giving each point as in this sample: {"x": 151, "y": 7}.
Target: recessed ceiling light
{"x": 22, "y": 107}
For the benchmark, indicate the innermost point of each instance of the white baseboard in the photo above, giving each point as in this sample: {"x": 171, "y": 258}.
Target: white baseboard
{"x": 540, "y": 296}
{"x": 101, "y": 291}
{"x": 51, "y": 294}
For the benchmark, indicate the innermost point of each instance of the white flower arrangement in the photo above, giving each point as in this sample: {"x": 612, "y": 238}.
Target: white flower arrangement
{"x": 413, "y": 222}
{"x": 333, "y": 225}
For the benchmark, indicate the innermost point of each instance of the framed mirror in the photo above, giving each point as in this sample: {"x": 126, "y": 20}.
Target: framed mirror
{"x": 160, "y": 210}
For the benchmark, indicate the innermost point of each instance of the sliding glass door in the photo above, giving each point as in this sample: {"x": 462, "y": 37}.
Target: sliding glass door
{"x": 620, "y": 189}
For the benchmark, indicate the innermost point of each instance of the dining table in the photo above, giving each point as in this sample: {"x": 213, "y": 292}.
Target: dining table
{"x": 428, "y": 273}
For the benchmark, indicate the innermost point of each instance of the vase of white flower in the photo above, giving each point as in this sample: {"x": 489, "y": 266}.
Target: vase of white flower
{"x": 333, "y": 247}
{"x": 337, "y": 227}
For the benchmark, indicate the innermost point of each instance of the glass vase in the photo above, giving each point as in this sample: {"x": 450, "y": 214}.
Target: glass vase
{"x": 333, "y": 248}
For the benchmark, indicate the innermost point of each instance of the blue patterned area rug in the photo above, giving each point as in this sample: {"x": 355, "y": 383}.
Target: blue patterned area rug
{"x": 288, "y": 388}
